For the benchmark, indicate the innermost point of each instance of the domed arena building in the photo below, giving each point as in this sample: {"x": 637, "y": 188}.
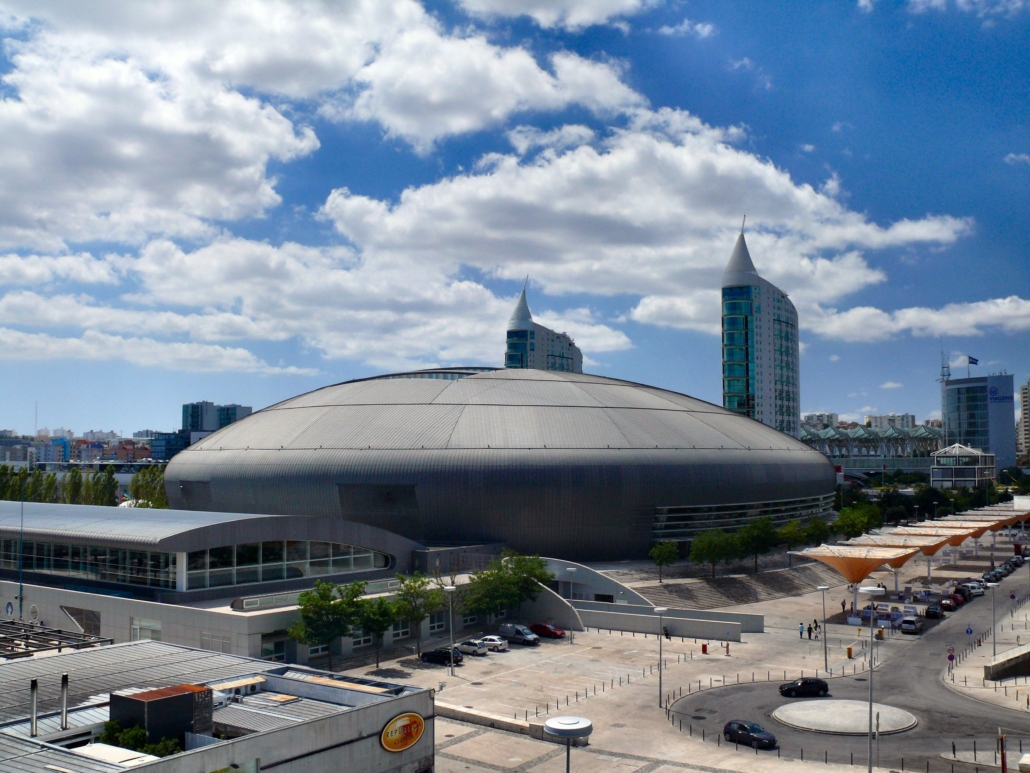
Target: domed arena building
{"x": 567, "y": 465}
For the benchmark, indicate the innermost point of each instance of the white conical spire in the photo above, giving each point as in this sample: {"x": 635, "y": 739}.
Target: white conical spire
{"x": 521, "y": 318}
{"x": 740, "y": 270}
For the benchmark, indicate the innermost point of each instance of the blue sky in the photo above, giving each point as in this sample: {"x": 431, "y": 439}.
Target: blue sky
{"x": 244, "y": 201}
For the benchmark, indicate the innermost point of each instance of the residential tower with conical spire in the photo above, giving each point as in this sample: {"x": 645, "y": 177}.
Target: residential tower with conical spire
{"x": 534, "y": 346}
{"x": 760, "y": 351}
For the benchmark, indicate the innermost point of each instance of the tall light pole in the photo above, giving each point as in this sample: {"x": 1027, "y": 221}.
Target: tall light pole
{"x": 871, "y": 591}
{"x": 661, "y": 636}
{"x": 572, "y": 573}
{"x": 994, "y": 639}
{"x": 826, "y": 654}
{"x": 449, "y": 590}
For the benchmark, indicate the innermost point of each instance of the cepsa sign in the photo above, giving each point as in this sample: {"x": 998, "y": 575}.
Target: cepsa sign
{"x": 402, "y": 732}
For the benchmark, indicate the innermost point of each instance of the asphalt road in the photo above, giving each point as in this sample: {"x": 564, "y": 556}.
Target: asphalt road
{"x": 910, "y": 679}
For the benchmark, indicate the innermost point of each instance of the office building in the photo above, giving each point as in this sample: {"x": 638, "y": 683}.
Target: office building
{"x": 959, "y": 466}
{"x": 1023, "y": 426}
{"x": 165, "y": 445}
{"x": 228, "y": 713}
{"x": 205, "y": 416}
{"x": 760, "y": 354}
{"x": 534, "y": 346}
{"x": 561, "y": 464}
{"x": 896, "y": 420}
{"x": 979, "y": 413}
{"x": 820, "y": 421}
{"x": 227, "y": 414}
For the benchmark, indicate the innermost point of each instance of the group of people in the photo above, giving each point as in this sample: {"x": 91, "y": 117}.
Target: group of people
{"x": 813, "y": 628}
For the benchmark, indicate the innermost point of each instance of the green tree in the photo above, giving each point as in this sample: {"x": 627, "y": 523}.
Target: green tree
{"x": 793, "y": 534}
{"x": 857, "y": 519}
{"x": 663, "y": 554}
{"x": 417, "y": 599}
{"x": 34, "y": 491}
{"x": 895, "y": 514}
{"x": 527, "y": 573}
{"x": 327, "y": 612}
{"x": 376, "y": 617}
{"x": 147, "y": 488}
{"x": 816, "y": 531}
{"x": 757, "y": 538}
{"x": 712, "y": 546}
{"x": 135, "y": 738}
{"x": 490, "y": 590}
{"x": 73, "y": 487}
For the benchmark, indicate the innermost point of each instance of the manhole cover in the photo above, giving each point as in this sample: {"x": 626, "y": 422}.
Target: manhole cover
{"x": 595, "y": 648}
{"x": 466, "y": 707}
{"x": 699, "y": 717}
{"x": 617, "y": 724}
{"x": 861, "y": 679}
{"x": 478, "y": 683}
{"x": 449, "y": 735}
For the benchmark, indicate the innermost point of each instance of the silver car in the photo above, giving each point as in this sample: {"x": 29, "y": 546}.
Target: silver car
{"x": 495, "y": 643}
{"x": 471, "y": 647}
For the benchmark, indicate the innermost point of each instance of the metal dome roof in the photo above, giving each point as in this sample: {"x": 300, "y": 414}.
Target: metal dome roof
{"x": 500, "y": 409}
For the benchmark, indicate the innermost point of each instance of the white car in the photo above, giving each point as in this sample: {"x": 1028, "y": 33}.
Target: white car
{"x": 974, "y": 588}
{"x": 471, "y": 647}
{"x": 495, "y": 643}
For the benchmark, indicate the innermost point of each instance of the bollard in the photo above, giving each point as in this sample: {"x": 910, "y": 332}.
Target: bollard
{"x": 704, "y": 649}
{"x": 849, "y": 652}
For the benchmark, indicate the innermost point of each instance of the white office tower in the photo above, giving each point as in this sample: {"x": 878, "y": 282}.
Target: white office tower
{"x": 534, "y": 346}
{"x": 760, "y": 353}
{"x": 1023, "y": 424}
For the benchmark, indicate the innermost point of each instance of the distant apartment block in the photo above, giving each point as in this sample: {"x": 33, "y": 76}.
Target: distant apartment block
{"x": 99, "y": 436}
{"x": 205, "y": 416}
{"x": 1023, "y": 425}
{"x": 819, "y": 421}
{"x": 896, "y": 420}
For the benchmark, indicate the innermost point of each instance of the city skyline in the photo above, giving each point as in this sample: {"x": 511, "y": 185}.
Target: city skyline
{"x": 210, "y": 216}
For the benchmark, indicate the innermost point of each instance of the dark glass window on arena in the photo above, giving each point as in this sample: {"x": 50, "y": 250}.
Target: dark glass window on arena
{"x": 89, "y": 562}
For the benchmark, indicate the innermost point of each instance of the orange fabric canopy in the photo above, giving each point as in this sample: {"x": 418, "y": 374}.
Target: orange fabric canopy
{"x": 994, "y": 521}
{"x": 856, "y": 562}
{"x": 975, "y": 528}
{"x": 928, "y": 545}
{"x": 954, "y": 537}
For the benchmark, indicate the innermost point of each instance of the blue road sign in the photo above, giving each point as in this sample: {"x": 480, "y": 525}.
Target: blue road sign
{"x": 10, "y": 609}
{"x": 969, "y": 632}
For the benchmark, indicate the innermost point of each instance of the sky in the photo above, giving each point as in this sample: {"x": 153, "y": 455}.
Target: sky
{"x": 243, "y": 201}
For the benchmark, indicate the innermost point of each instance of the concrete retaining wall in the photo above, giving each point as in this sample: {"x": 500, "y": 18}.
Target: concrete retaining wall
{"x": 692, "y": 628}
{"x": 748, "y": 623}
{"x": 592, "y": 582}
{"x": 551, "y": 608}
{"x": 1013, "y": 662}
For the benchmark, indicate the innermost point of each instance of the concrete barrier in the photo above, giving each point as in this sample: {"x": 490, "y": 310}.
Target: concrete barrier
{"x": 748, "y": 623}
{"x": 648, "y": 623}
{"x": 1013, "y": 662}
{"x": 592, "y": 582}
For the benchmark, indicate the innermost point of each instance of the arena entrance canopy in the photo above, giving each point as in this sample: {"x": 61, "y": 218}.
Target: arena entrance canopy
{"x": 953, "y": 537}
{"x": 856, "y": 562}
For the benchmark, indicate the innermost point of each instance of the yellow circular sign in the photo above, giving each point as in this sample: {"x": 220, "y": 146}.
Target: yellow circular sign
{"x": 402, "y": 732}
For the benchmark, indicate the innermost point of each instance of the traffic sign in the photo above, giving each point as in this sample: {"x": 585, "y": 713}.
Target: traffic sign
{"x": 1012, "y": 595}
{"x": 969, "y": 632}
{"x": 951, "y": 657}
{"x": 951, "y": 650}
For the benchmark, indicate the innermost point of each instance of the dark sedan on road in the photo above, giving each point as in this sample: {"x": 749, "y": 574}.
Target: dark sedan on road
{"x": 749, "y": 734}
{"x": 803, "y": 687}
{"x": 934, "y": 612}
{"x": 442, "y": 656}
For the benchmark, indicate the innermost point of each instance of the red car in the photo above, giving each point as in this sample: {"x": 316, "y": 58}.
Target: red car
{"x": 547, "y": 631}
{"x": 947, "y": 604}
{"x": 959, "y": 600}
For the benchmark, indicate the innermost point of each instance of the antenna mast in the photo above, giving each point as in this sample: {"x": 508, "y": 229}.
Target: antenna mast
{"x": 943, "y": 379}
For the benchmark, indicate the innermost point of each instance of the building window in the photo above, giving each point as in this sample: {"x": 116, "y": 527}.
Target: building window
{"x": 137, "y": 567}
{"x": 318, "y": 649}
{"x": 401, "y": 629}
{"x": 219, "y": 643}
{"x": 143, "y": 629}
{"x": 361, "y": 639}
{"x": 87, "y": 620}
{"x": 273, "y": 649}
{"x": 437, "y": 622}
{"x": 468, "y": 620}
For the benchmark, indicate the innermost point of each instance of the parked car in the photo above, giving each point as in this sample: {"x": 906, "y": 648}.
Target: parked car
{"x": 978, "y": 583}
{"x": 547, "y": 631}
{"x": 442, "y": 656}
{"x": 803, "y": 687}
{"x": 1018, "y": 560}
{"x": 974, "y": 590}
{"x": 518, "y": 634}
{"x": 934, "y": 612}
{"x": 749, "y": 734}
{"x": 911, "y": 625}
{"x": 471, "y": 647}
{"x": 495, "y": 643}
{"x": 947, "y": 605}
{"x": 959, "y": 600}
{"x": 964, "y": 592}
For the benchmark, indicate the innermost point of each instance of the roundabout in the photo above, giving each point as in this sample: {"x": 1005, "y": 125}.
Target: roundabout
{"x": 843, "y": 717}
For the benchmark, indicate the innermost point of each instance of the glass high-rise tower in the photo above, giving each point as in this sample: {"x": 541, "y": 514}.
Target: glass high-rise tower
{"x": 760, "y": 353}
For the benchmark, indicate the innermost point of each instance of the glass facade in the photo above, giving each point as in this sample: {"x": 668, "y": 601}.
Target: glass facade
{"x": 681, "y": 524}
{"x": 965, "y": 416}
{"x": 519, "y": 343}
{"x": 738, "y": 355}
{"x": 277, "y": 560}
{"x": 132, "y": 567}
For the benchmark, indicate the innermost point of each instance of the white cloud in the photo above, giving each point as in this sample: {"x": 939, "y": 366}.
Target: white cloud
{"x": 95, "y": 346}
{"x": 891, "y": 385}
{"x": 700, "y": 30}
{"x": 44, "y": 269}
{"x": 806, "y": 148}
{"x": 762, "y": 79}
{"x": 866, "y": 5}
{"x": 570, "y": 14}
{"x": 834, "y": 358}
{"x": 526, "y": 138}
{"x": 982, "y": 8}
{"x": 1017, "y": 158}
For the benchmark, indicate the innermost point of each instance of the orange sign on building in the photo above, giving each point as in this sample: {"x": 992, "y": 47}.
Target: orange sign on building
{"x": 402, "y": 732}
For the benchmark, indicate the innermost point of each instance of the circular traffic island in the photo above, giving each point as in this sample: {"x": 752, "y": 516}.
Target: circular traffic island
{"x": 843, "y": 717}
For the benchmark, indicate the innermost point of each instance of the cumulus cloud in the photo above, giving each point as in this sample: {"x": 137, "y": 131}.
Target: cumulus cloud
{"x": 699, "y": 30}
{"x": 891, "y": 385}
{"x": 43, "y": 269}
{"x": 982, "y": 8}
{"x": 834, "y": 358}
{"x": 1017, "y": 158}
{"x": 569, "y": 14}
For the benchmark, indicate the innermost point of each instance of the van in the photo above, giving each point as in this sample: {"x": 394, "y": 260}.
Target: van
{"x": 974, "y": 589}
{"x": 518, "y": 634}
{"x": 911, "y": 625}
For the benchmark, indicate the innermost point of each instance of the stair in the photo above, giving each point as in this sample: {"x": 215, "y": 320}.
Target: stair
{"x": 729, "y": 591}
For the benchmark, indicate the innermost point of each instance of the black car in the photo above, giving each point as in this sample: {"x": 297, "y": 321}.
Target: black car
{"x": 441, "y": 656}
{"x": 934, "y": 612}
{"x": 749, "y": 734}
{"x": 802, "y": 687}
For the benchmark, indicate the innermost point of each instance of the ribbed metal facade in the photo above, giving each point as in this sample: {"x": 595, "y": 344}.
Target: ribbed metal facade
{"x": 566, "y": 465}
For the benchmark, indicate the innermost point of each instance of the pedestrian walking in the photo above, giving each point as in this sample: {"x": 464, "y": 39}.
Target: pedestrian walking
{"x": 815, "y": 624}
{"x": 801, "y": 630}
{"x": 665, "y": 630}
{"x": 810, "y": 633}
{"x": 843, "y": 606}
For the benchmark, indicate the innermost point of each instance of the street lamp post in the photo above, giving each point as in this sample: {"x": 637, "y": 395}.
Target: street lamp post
{"x": 994, "y": 639}
{"x": 872, "y": 592}
{"x": 449, "y": 590}
{"x": 826, "y": 654}
{"x": 661, "y": 631}
{"x": 572, "y": 573}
